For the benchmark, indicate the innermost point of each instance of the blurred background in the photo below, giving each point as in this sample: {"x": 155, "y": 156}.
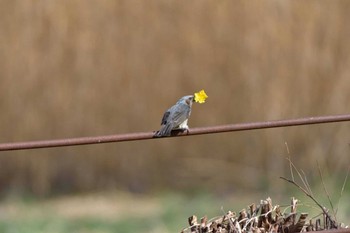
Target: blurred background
{"x": 76, "y": 68}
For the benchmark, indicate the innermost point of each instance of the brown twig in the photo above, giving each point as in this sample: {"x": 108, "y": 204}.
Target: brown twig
{"x": 342, "y": 189}
{"x": 300, "y": 176}
{"x": 325, "y": 190}
{"x": 333, "y": 223}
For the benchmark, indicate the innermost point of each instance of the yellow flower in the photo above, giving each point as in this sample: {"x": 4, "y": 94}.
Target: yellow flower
{"x": 200, "y": 97}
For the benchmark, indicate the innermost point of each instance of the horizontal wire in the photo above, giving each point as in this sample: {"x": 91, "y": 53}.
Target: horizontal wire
{"x": 191, "y": 132}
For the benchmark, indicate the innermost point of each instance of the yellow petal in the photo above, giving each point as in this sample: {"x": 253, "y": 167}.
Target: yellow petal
{"x": 200, "y": 96}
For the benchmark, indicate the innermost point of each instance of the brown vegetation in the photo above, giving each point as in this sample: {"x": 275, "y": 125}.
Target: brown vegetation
{"x": 264, "y": 218}
{"x": 76, "y": 68}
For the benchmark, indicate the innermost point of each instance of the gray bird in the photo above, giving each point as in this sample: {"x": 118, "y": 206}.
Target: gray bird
{"x": 176, "y": 117}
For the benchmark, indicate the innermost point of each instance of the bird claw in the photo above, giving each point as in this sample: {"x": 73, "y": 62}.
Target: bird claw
{"x": 186, "y": 130}
{"x": 157, "y": 135}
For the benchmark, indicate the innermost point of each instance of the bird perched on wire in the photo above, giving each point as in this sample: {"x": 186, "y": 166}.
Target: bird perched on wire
{"x": 176, "y": 117}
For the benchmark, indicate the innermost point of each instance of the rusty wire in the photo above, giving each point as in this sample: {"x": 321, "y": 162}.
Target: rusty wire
{"x": 191, "y": 132}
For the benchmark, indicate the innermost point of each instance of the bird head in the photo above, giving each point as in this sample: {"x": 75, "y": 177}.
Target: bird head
{"x": 188, "y": 99}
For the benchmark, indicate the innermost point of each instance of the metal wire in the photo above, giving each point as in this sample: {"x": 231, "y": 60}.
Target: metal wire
{"x": 191, "y": 132}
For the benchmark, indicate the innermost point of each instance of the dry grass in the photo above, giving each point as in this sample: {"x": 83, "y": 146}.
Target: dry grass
{"x": 78, "y": 68}
{"x": 107, "y": 206}
{"x": 124, "y": 212}
{"x": 105, "y": 212}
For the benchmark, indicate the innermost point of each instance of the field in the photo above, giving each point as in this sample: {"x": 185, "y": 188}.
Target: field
{"x": 74, "y": 69}
{"x": 118, "y": 212}
{"x": 77, "y": 68}
{"x": 122, "y": 212}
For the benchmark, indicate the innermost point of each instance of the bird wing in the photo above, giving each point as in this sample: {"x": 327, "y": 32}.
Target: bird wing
{"x": 167, "y": 125}
{"x": 180, "y": 114}
{"x": 165, "y": 117}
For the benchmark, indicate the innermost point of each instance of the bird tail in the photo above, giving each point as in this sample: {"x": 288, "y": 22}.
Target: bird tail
{"x": 164, "y": 131}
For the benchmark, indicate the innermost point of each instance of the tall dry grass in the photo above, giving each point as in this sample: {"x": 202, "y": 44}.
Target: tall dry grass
{"x": 82, "y": 68}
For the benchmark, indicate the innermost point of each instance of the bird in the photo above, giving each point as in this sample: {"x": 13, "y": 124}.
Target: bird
{"x": 176, "y": 117}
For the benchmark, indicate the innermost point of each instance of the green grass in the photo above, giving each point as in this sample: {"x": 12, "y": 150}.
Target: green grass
{"x": 167, "y": 213}
{"x": 104, "y": 213}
